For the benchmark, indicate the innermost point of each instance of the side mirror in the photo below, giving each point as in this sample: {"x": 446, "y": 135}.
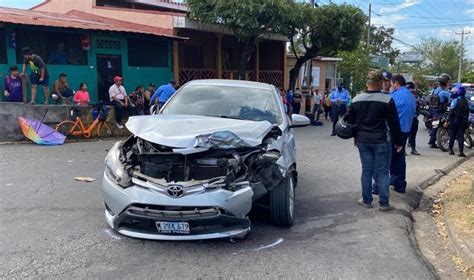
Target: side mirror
{"x": 299, "y": 121}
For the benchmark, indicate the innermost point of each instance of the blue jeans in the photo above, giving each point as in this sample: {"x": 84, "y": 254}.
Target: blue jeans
{"x": 398, "y": 167}
{"x": 375, "y": 159}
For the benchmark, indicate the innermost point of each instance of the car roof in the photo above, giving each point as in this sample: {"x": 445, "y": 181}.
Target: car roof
{"x": 231, "y": 83}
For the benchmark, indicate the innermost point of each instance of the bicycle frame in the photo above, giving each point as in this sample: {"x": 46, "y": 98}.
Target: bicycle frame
{"x": 83, "y": 131}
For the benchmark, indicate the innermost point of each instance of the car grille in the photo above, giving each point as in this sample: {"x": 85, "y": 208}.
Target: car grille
{"x": 156, "y": 212}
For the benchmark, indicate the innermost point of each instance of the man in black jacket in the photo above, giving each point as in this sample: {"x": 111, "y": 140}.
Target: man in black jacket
{"x": 371, "y": 111}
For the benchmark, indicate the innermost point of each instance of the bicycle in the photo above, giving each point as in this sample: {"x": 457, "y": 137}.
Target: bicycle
{"x": 77, "y": 128}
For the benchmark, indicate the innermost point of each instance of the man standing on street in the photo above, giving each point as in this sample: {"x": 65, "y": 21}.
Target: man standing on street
{"x": 163, "y": 93}
{"x": 339, "y": 99}
{"x": 439, "y": 101}
{"x": 414, "y": 125}
{"x": 458, "y": 119}
{"x": 405, "y": 104}
{"x": 317, "y": 104}
{"x": 371, "y": 112}
{"x": 386, "y": 85}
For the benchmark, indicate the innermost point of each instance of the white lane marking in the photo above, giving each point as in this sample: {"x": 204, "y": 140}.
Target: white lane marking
{"x": 262, "y": 247}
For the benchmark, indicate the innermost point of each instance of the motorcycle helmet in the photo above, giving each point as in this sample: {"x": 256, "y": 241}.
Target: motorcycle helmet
{"x": 344, "y": 130}
{"x": 444, "y": 77}
{"x": 458, "y": 91}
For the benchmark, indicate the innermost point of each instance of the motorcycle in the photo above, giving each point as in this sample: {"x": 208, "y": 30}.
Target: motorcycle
{"x": 442, "y": 134}
{"x": 427, "y": 117}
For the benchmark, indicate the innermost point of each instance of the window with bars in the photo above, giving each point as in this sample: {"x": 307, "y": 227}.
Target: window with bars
{"x": 148, "y": 53}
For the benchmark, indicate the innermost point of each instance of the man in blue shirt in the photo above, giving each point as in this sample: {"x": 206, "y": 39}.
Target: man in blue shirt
{"x": 458, "y": 119}
{"x": 163, "y": 93}
{"x": 340, "y": 98}
{"x": 439, "y": 102}
{"x": 406, "y": 108}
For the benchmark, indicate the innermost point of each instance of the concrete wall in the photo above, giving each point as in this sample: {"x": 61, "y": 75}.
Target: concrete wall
{"x": 10, "y": 111}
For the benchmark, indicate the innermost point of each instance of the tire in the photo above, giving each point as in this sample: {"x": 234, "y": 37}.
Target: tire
{"x": 442, "y": 139}
{"x": 104, "y": 130}
{"x": 66, "y": 128}
{"x": 282, "y": 202}
{"x": 467, "y": 140}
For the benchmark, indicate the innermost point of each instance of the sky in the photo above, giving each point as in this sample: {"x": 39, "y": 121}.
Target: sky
{"x": 412, "y": 19}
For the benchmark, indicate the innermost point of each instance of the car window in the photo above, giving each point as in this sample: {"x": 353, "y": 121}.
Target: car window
{"x": 226, "y": 102}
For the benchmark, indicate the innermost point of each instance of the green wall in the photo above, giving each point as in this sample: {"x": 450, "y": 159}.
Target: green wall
{"x": 133, "y": 76}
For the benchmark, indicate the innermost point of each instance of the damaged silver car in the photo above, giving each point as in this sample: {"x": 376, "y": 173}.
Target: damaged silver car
{"x": 193, "y": 171}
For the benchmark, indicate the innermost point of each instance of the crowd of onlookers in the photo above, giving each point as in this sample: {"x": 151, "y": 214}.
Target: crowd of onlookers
{"x": 137, "y": 102}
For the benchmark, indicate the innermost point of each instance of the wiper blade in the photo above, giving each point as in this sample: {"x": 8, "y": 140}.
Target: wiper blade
{"x": 231, "y": 117}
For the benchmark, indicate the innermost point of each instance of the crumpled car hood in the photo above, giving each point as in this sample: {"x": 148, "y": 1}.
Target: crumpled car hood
{"x": 194, "y": 132}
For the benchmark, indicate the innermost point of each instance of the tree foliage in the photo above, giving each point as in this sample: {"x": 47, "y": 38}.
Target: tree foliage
{"x": 249, "y": 20}
{"x": 381, "y": 39}
{"x": 354, "y": 68}
{"x": 468, "y": 77}
{"x": 322, "y": 31}
{"x": 442, "y": 57}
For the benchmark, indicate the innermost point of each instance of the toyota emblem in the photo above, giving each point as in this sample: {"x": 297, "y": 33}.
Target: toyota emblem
{"x": 175, "y": 191}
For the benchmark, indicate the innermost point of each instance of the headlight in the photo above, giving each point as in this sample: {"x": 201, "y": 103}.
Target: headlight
{"x": 114, "y": 168}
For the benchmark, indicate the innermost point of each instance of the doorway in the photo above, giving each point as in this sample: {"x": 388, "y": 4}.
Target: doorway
{"x": 108, "y": 66}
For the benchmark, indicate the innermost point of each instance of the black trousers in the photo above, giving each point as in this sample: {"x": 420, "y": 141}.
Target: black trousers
{"x": 413, "y": 132}
{"x": 119, "y": 110}
{"x": 456, "y": 132}
{"x": 337, "y": 111}
{"x": 327, "y": 111}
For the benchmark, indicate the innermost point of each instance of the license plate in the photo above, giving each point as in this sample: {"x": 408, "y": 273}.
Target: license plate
{"x": 435, "y": 122}
{"x": 173, "y": 227}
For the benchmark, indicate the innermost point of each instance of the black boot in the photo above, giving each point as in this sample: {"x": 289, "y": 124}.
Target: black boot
{"x": 414, "y": 152}
{"x": 461, "y": 154}
{"x": 451, "y": 152}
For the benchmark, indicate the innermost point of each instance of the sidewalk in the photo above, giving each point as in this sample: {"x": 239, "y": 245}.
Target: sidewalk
{"x": 445, "y": 223}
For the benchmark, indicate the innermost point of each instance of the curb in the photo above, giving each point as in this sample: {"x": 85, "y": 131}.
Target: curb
{"x": 459, "y": 244}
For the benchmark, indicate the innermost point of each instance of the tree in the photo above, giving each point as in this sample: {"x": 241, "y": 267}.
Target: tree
{"x": 249, "y": 20}
{"x": 381, "y": 39}
{"x": 322, "y": 31}
{"x": 354, "y": 67}
{"x": 468, "y": 77}
{"x": 442, "y": 57}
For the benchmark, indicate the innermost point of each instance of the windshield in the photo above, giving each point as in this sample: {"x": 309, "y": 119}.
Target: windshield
{"x": 226, "y": 102}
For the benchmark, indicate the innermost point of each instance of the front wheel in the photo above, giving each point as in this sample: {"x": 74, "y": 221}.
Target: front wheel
{"x": 104, "y": 130}
{"x": 282, "y": 202}
{"x": 442, "y": 139}
{"x": 467, "y": 139}
{"x": 66, "y": 128}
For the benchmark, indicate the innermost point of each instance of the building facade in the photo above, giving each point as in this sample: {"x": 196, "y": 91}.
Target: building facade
{"x": 87, "y": 48}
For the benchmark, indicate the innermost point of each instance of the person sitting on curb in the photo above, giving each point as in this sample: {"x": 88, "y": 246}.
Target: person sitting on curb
{"x": 61, "y": 90}
{"x": 81, "y": 97}
{"x": 119, "y": 99}
{"x": 13, "y": 89}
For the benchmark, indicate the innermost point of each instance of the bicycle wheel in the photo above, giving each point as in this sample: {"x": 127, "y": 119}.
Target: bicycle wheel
{"x": 104, "y": 130}
{"x": 65, "y": 128}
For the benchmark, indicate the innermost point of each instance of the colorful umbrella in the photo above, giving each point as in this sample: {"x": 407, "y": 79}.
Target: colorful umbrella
{"x": 40, "y": 133}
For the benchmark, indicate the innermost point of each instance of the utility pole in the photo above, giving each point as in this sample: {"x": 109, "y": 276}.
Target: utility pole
{"x": 368, "y": 28}
{"x": 461, "y": 53}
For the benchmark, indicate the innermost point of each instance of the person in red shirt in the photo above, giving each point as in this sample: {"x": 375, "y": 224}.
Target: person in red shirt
{"x": 81, "y": 97}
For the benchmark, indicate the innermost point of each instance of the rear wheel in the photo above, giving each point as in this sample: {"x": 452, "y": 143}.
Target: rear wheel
{"x": 104, "y": 130}
{"x": 282, "y": 202}
{"x": 442, "y": 139}
{"x": 66, "y": 128}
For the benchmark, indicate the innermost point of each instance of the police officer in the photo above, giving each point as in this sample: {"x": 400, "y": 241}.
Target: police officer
{"x": 387, "y": 76}
{"x": 340, "y": 98}
{"x": 458, "y": 119}
{"x": 414, "y": 126}
{"x": 439, "y": 101}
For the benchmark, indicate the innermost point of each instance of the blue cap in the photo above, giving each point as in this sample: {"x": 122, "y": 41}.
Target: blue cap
{"x": 387, "y": 75}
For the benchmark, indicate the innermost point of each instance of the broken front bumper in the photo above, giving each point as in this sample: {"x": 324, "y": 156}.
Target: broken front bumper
{"x": 210, "y": 213}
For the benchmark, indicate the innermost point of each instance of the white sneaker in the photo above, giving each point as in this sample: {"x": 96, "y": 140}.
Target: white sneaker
{"x": 119, "y": 126}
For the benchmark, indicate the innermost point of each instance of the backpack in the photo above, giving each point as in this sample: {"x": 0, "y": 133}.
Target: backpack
{"x": 101, "y": 111}
{"x": 461, "y": 111}
{"x": 434, "y": 100}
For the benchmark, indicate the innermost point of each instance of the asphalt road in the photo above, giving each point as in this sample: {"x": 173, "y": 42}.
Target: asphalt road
{"x": 53, "y": 227}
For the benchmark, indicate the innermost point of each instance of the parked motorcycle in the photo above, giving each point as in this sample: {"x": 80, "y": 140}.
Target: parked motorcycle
{"x": 442, "y": 134}
{"x": 427, "y": 117}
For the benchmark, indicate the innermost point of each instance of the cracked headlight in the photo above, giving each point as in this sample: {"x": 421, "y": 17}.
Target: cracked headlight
{"x": 114, "y": 168}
